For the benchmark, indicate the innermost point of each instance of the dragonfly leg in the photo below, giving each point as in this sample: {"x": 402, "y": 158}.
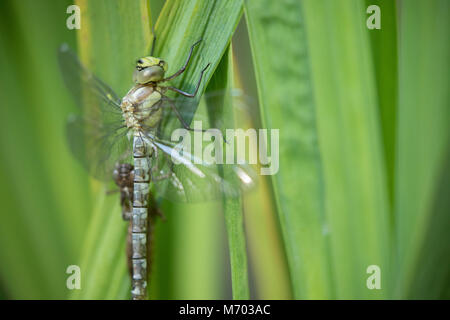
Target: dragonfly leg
{"x": 187, "y": 94}
{"x": 185, "y": 125}
{"x": 176, "y": 74}
{"x": 177, "y": 113}
{"x": 127, "y": 207}
{"x": 126, "y": 213}
{"x": 155, "y": 154}
{"x": 163, "y": 176}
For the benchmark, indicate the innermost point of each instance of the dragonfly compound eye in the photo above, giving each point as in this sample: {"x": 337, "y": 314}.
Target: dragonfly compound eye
{"x": 148, "y": 74}
{"x": 163, "y": 64}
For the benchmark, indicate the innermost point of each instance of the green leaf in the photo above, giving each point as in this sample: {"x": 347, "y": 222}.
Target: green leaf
{"x": 103, "y": 260}
{"x": 45, "y": 203}
{"x": 385, "y": 57}
{"x": 421, "y": 210}
{"x": 351, "y": 149}
{"x": 269, "y": 269}
{"x": 211, "y": 21}
{"x": 179, "y": 26}
{"x": 287, "y": 104}
{"x": 233, "y": 209}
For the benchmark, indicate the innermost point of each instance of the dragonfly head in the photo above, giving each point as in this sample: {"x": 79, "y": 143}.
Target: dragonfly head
{"x": 149, "y": 69}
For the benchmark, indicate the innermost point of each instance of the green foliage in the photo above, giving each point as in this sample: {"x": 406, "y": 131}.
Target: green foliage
{"x": 45, "y": 203}
{"x": 364, "y": 150}
{"x": 422, "y": 151}
{"x": 356, "y": 201}
{"x": 286, "y": 100}
{"x": 222, "y": 111}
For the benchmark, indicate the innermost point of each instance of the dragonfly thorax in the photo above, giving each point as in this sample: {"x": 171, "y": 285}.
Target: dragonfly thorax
{"x": 141, "y": 107}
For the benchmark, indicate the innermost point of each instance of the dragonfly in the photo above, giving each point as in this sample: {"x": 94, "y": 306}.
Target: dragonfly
{"x": 110, "y": 129}
{"x": 123, "y": 177}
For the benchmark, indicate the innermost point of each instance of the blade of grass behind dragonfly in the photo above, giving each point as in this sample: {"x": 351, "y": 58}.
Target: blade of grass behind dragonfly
{"x": 155, "y": 7}
{"x": 45, "y": 204}
{"x": 421, "y": 208}
{"x": 188, "y": 253}
{"x": 350, "y": 142}
{"x": 112, "y": 35}
{"x": 179, "y": 26}
{"x": 280, "y": 56}
{"x": 384, "y": 51}
{"x": 268, "y": 267}
{"x": 385, "y": 59}
{"x": 233, "y": 209}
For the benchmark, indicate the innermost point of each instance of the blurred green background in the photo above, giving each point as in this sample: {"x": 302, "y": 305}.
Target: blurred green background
{"x": 363, "y": 118}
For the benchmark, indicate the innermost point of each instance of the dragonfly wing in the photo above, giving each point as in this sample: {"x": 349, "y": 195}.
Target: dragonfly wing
{"x": 209, "y": 111}
{"x": 97, "y": 135}
{"x": 182, "y": 177}
{"x": 88, "y": 91}
{"x": 98, "y": 146}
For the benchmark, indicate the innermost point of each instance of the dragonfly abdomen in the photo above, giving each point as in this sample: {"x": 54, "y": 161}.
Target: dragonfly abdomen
{"x": 139, "y": 221}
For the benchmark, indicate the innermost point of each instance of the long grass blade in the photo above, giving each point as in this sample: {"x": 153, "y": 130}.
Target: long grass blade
{"x": 45, "y": 204}
{"x": 233, "y": 208}
{"x": 350, "y": 140}
{"x": 385, "y": 58}
{"x": 267, "y": 259}
{"x": 179, "y": 26}
{"x": 287, "y": 104}
{"x": 421, "y": 209}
